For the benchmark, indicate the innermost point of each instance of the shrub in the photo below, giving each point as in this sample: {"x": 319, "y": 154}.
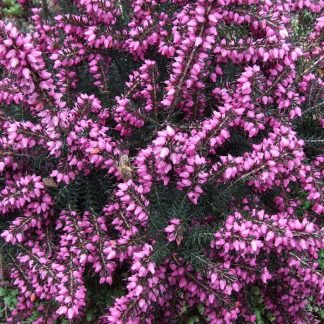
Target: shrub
{"x": 168, "y": 153}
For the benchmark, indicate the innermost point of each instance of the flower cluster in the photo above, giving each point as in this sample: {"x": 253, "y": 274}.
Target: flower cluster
{"x": 168, "y": 150}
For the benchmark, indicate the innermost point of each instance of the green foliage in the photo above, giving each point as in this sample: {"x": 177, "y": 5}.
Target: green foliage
{"x": 99, "y": 297}
{"x": 10, "y": 8}
{"x": 315, "y": 309}
{"x": 8, "y": 301}
{"x": 308, "y": 127}
{"x": 193, "y": 315}
{"x": 167, "y": 203}
{"x": 302, "y": 25}
{"x": 34, "y": 316}
{"x": 321, "y": 259}
{"x": 305, "y": 203}
{"x": 82, "y": 193}
{"x": 220, "y": 196}
{"x": 257, "y": 304}
{"x": 199, "y": 261}
{"x": 200, "y": 237}
{"x": 161, "y": 251}
{"x": 15, "y": 112}
{"x": 192, "y": 320}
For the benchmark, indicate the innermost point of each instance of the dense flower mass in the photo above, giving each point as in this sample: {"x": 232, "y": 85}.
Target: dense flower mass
{"x": 168, "y": 150}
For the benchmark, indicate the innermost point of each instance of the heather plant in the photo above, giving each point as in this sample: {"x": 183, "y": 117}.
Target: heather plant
{"x": 162, "y": 161}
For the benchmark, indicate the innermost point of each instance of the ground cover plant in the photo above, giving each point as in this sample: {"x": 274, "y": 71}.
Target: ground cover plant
{"x": 162, "y": 161}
